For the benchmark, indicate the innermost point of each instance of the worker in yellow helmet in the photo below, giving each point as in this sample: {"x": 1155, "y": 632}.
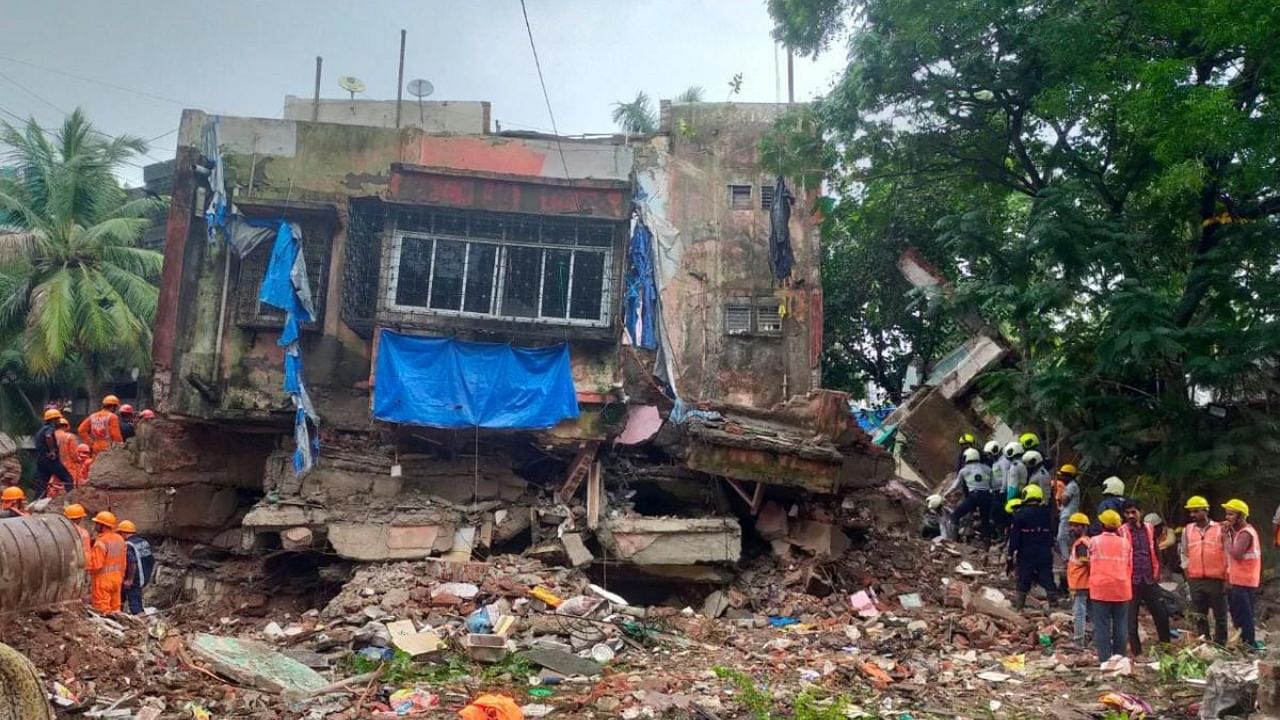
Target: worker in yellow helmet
{"x": 1031, "y": 546}
{"x": 1110, "y": 585}
{"x": 1066, "y": 497}
{"x": 1077, "y": 573}
{"x": 1203, "y": 551}
{"x": 13, "y": 503}
{"x": 967, "y": 441}
{"x": 1244, "y": 569}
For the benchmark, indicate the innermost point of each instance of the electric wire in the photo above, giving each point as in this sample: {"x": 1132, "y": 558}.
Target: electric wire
{"x": 83, "y": 78}
{"x": 537, "y": 62}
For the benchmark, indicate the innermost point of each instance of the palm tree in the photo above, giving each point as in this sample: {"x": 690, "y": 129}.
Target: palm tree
{"x": 74, "y": 286}
{"x": 691, "y": 94}
{"x": 635, "y": 116}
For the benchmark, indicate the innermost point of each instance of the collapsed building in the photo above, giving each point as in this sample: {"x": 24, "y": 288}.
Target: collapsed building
{"x": 444, "y": 341}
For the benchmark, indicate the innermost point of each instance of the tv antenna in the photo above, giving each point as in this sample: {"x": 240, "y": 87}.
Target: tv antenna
{"x": 420, "y": 88}
{"x": 351, "y": 84}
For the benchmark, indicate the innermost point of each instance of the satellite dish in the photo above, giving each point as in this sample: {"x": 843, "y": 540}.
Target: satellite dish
{"x": 351, "y": 84}
{"x": 420, "y": 88}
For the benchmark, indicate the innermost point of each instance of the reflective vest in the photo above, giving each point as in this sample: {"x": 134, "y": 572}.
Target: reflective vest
{"x": 1110, "y": 568}
{"x": 1152, "y": 552}
{"x": 1077, "y": 569}
{"x": 106, "y": 569}
{"x": 88, "y": 543}
{"x": 1206, "y": 553}
{"x": 1247, "y": 571}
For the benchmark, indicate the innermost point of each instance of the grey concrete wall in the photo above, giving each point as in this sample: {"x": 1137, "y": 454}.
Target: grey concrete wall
{"x": 437, "y": 116}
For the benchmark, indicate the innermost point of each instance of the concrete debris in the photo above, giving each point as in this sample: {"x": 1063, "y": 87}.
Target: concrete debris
{"x": 251, "y": 663}
{"x": 1231, "y": 687}
{"x": 578, "y": 554}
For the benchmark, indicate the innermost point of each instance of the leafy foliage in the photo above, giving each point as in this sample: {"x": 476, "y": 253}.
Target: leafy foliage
{"x": 1098, "y": 181}
{"x": 74, "y": 286}
{"x": 637, "y": 116}
{"x": 691, "y": 94}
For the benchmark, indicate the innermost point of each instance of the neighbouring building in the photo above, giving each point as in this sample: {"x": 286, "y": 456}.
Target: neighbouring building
{"x": 463, "y": 285}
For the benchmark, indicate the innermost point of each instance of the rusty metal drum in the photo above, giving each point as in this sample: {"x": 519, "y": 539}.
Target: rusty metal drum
{"x": 42, "y": 562}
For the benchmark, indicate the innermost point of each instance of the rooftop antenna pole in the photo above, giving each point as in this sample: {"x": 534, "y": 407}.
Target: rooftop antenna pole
{"x": 315, "y": 99}
{"x": 791, "y": 76}
{"x": 400, "y": 79}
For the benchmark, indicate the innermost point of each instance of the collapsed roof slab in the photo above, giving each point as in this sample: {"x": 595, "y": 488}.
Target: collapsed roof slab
{"x": 673, "y": 541}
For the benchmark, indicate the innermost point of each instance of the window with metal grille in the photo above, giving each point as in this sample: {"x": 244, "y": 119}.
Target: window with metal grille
{"x": 768, "y": 320}
{"x": 737, "y": 319}
{"x": 746, "y": 318}
{"x": 499, "y": 266}
{"x": 740, "y": 197}
{"x": 253, "y": 267}
{"x": 766, "y": 197}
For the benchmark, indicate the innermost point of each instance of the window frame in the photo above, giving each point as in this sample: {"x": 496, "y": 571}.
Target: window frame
{"x": 749, "y": 201}
{"x": 499, "y": 277}
{"x": 753, "y": 309}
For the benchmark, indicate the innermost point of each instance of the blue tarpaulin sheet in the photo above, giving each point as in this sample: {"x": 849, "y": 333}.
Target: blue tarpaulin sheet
{"x": 448, "y": 383}
{"x": 642, "y": 289}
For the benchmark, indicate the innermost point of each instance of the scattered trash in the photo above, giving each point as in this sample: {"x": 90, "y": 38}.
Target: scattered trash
{"x": 911, "y": 601}
{"x": 407, "y": 638}
{"x": 1015, "y": 663}
{"x": 491, "y": 707}
{"x": 1134, "y": 706}
{"x": 1230, "y": 688}
{"x": 1118, "y": 666}
{"x": 992, "y": 676}
{"x": 413, "y": 701}
{"x": 967, "y": 569}
{"x": 780, "y": 621}
{"x": 465, "y": 591}
{"x": 196, "y": 711}
{"x": 536, "y": 711}
{"x": 864, "y": 603}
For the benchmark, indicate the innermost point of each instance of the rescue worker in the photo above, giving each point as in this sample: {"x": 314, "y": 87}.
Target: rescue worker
{"x": 967, "y": 442}
{"x": 148, "y": 414}
{"x": 13, "y": 503}
{"x": 1112, "y": 499}
{"x": 1077, "y": 564}
{"x": 1037, "y": 473}
{"x": 1015, "y": 477}
{"x": 67, "y": 450}
{"x": 1204, "y": 562}
{"x": 1244, "y": 569}
{"x": 1066, "y": 495}
{"x": 106, "y": 565}
{"x": 1110, "y": 586}
{"x": 127, "y": 421}
{"x": 1031, "y": 546}
{"x": 101, "y": 430}
{"x": 991, "y": 453}
{"x": 48, "y": 462}
{"x": 1146, "y": 575}
{"x": 1166, "y": 544}
{"x": 931, "y": 524}
{"x": 975, "y": 479}
{"x": 86, "y": 462}
{"x": 999, "y": 476}
{"x": 76, "y": 514}
{"x": 139, "y": 564}
{"x": 1029, "y": 441}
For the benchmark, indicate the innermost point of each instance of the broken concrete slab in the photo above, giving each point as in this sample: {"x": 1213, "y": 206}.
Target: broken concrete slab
{"x": 405, "y": 636}
{"x": 562, "y": 662}
{"x": 819, "y": 538}
{"x": 297, "y": 538}
{"x": 715, "y": 605}
{"x": 578, "y": 553}
{"x": 255, "y": 664}
{"x": 771, "y": 523}
{"x": 375, "y": 541}
{"x": 673, "y": 541}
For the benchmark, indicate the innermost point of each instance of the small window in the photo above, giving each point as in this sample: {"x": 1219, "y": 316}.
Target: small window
{"x": 740, "y": 197}
{"x": 768, "y": 320}
{"x": 737, "y": 319}
{"x": 766, "y": 197}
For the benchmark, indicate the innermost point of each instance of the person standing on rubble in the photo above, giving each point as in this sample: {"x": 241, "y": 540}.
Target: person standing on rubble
{"x": 1110, "y": 586}
{"x": 931, "y": 525}
{"x": 1015, "y": 476}
{"x": 1244, "y": 569}
{"x": 48, "y": 460}
{"x": 67, "y": 444}
{"x": 1203, "y": 550}
{"x": 13, "y": 503}
{"x": 1112, "y": 499}
{"x": 1031, "y": 546}
{"x": 107, "y": 561}
{"x": 967, "y": 442}
{"x": 1077, "y": 564}
{"x": 139, "y": 565}
{"x": 127, "y": 422}
{"x": 1037, "y": 473}
{"x": 999, "y": 471}
{"x": 76, "y": 514}
{"x": 975, "y": 479}
{"x": 101, "y": 430}
{"x": 1066, "y": 496}
{"x": 1146, "y": 575}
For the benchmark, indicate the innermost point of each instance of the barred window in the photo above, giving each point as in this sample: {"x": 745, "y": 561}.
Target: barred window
{"x": 748, "y": 318}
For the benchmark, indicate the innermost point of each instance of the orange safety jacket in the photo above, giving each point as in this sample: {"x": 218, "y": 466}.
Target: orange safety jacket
{"x": 101, "y": 430}
{"x": 1077, "y": 569}
{"x": 107, "y": 563}
{"x": 88, "y": 543}
{"x": 1110, "y": 568}
{"x": 1247, "y": 571}
{"x": 67, "y": 453}
{"x": 1206, "y": 552}
{"x": 1152, "y": 551}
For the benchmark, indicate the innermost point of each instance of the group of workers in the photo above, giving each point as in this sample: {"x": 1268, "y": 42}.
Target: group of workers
{"x": 64, "y": 458}
{"x": 118, "y": 560}
{"x": 1111, "y": 564}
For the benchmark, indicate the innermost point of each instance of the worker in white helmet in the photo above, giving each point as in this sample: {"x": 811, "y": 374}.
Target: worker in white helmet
{"x": 975, "y": 478}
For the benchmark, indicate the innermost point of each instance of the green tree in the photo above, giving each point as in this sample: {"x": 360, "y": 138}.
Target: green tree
{"x": 691, "y": 94}
{"x": 636, "y": 117}
{"x": 1112, "y": 204}
{"x": 74, "y": 286}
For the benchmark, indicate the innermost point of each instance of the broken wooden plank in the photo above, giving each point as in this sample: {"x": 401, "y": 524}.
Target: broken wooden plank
{"x": 579, "y": 469}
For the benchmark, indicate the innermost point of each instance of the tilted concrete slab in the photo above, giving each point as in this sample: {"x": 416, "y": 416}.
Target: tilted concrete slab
{"x": 673, "y": 541}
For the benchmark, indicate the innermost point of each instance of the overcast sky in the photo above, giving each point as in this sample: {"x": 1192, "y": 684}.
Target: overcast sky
{"x": 134, "y": 64}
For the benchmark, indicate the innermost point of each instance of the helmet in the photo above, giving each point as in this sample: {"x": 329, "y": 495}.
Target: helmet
{"x": 1113, "y": 486}
{"x": 148, "y": 414}
{"x": 74, "y": 511}
{"x": 1234, "y": 505}
{"x": 1078, "y": 519}
{"x": 1013, "y": 450}
{"x": 110, "y": 400}
{"x": 933, "y": 502}
{"x": 1069, "y": 469}
{"x": 83, "y": 449}
{"x": 126, "y": 409}
{"x": 1029, "y": 440}
{"x": 126, "y": 526}
{"x": 972, "y": 455}
{"x": 1012, "y": 505}
{"x": 1032, "y": 492}
{"x": 63, "y": 422}
{"x": 1031, "y": 458}
{"x": 1152, "y": 519}
{"x": 1197, "y": 502}
{"x": 968, "y": 439}
{"x": 1110, "y": 519}
{"x": 52, "y": 414}
{"x": 992, "y": 448}
{"x": 13, "y": 493}
{"x": 105, "y": 518}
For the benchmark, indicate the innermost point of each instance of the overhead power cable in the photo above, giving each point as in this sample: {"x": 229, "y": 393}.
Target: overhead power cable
{"x": 103, "y": 83}
{"x": 543, "y": 82}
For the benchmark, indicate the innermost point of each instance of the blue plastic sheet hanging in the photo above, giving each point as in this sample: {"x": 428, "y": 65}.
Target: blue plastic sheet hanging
{"x": 448, "y": 383}
{"x": 642, "y": 289}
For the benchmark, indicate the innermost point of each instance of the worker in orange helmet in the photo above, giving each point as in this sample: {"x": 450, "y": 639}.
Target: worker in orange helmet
{"x": 85, "y": 454}
{"x": 50, "y": 472}
{"x": 127, "y": 421}
{"x": 76, "y": 514}
{"x": 106, "y": 565}
{"x": 102, "y": 429}
{"x": 67, "y": 444}
{"x": 148, "y": 414}
{"x": 13, "y": 503}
